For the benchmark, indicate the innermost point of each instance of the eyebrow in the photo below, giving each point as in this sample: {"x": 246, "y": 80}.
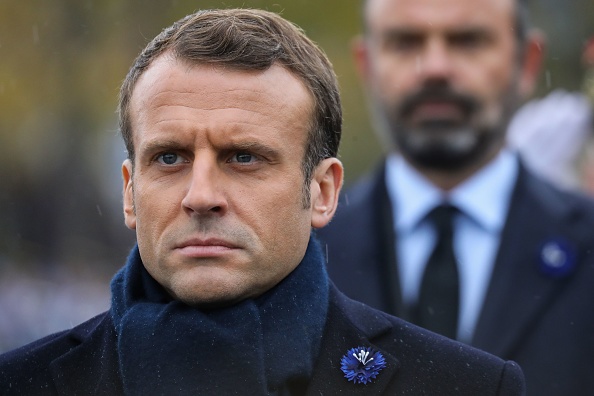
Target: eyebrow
{"x": 251, "y": 146}
{"x": 159, "y": 145}
{"x": 471, "y": 29}
{"x": 395, "y": 32}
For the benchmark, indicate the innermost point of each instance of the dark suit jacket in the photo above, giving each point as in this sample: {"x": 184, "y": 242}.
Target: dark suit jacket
{"x": 545, "y": 322}
{"x": 84, "y": 360}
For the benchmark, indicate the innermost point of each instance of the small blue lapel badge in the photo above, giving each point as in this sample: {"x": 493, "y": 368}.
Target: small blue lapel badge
{"x": 557, "y": 258}
{"x": 362, "y": 364}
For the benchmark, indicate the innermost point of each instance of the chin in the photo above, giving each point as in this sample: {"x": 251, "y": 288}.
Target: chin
{"x": 207, "y": 300}
{"x": 451, "y": 150}
{"x": 207, "y": 294}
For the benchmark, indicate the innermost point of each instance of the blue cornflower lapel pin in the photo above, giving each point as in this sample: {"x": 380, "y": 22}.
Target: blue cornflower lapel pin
{"x": 557, "y": 258}
{"x": 362, "y": 364}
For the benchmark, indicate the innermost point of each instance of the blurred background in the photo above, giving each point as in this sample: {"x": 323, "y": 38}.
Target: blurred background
{"x": 62, "y": 235}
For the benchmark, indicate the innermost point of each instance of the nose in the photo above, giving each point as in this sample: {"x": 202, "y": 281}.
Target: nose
{"x": 204, "y": 194}
{"x": 435, "y": 63}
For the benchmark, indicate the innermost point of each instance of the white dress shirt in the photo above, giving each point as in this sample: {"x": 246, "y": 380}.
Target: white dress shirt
{"x": 483, "y": 201}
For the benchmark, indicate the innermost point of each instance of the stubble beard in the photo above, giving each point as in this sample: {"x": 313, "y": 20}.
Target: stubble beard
{"x": 443, "y": 147}
{"x": 445, "y": 144}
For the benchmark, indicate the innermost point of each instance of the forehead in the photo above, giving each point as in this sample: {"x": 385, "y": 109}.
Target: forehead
{"x": 439, "y": 14}
{"x": 173, "y": 93}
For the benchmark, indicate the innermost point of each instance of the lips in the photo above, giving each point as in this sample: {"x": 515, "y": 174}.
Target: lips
{"x": 201, "y": 248}
{"x": 206, "y": 242}
{"x": 437, "y": 104}
{"x": 440, "y": 110}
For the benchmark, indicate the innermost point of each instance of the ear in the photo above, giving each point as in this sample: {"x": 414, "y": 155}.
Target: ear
{"x": 531, "y": 62}
{"x": 361, "y": 57}
{"x": 129, "y": 211}
{"x": 325, "y": 188}
{"x": 588, "y": 54}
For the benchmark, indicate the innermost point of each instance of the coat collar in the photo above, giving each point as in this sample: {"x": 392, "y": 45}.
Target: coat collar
{"x": 350, "y": 324}
{"x": 93, "y": 358}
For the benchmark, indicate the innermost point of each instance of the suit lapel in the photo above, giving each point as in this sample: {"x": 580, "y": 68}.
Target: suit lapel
{"x": 342, "y": 334}
{"x": 518, "y": 292}
{"x": 383, "y": 216}
{"x": 360, "y": 245}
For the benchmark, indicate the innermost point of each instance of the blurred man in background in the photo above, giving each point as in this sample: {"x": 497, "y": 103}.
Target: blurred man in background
{"x": 452, "y": 231}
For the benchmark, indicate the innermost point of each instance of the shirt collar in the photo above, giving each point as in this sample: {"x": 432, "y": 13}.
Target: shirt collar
{"x": 484, "y": 197}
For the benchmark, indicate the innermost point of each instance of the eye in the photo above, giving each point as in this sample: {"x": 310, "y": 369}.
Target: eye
{"x": 403, "y": 42}
{"x": 469, "y": 40}
{"x": 243, "y": 158}
{"x": 169, "y": 159}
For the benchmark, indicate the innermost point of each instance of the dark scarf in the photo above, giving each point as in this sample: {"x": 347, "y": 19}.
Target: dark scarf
{"x": 259, "y": 346}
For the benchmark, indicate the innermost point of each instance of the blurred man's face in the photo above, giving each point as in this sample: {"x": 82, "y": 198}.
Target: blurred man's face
{"x": 215, "y": 195}
{"x": 443, "y": 76}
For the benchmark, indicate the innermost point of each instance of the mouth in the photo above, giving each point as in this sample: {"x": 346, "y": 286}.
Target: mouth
{"x": 438, "y": 105}
{"x": 437, "y": 110}
{"x": 202, "y": 248}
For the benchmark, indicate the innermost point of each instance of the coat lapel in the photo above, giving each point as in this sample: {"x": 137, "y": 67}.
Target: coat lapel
{"x": 94, "y": 360}
{"x": 346, "y": 330}
{"x": 518, "y": 292}
{"x": 386, "y": 239}
{"x": 363, "y": 229}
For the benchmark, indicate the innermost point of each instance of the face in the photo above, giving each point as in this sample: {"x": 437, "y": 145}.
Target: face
{"x": 443, "y": 76}
{"x": 215, "y": 191}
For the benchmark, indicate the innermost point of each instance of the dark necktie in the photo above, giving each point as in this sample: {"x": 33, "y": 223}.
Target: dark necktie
{"x": 437, "y": 308}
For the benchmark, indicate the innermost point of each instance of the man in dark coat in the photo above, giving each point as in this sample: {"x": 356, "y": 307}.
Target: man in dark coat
{"x": 232, "y": 122}
{"x": 444, "y": 79}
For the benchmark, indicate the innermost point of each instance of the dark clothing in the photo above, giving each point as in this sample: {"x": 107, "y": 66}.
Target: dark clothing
{"x": 84, "y": 360}
{"x": 240, "y": 341}
{"x": 87, "y": 360}
{"x": 534, "y": 313}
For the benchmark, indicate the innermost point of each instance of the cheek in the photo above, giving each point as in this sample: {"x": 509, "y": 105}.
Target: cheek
{"x": 391, "y": 80}
{"x": 277, "y": 212}
{"x": 155, "y": 210}
{"x": 489, "y": 76}
{"x": 498, "y": 88}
